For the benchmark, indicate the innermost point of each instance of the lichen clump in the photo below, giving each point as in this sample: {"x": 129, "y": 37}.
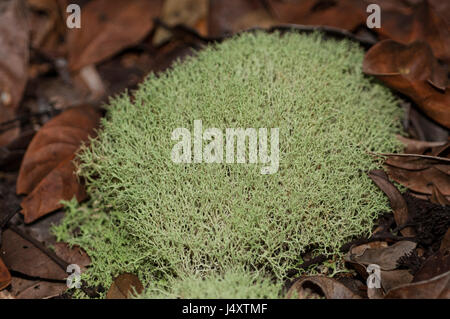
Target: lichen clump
{"x": 175, "y": 224}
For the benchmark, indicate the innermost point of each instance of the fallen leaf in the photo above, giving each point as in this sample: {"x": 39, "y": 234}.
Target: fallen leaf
{"x": 124, "y": 286}
{"x": 47, "y": 25}
{"x": 14, "y": 51}
{"x": 227, "y": 17}
{"x": 47, "y": 171}
{"x": 395, "y": 278}
{"x": 5, "y": 276}
{"x": 72, "y": 255}
{"x": 321, "y": 287}
{"x": 42, "y": 290}
{"x": 419, "y": 172}
{"x": 385, "y": 257}
{"x": 435, "y": 288}
{"x": 423, "y": 128}
{"x": 414, "y": 71}
{"x": 436, "y": 264}
{"x": 413, "y": 146}
{"x": 190, "y": 13}
{"x": 409, "y": 21}
{"x": 109, "y": 26}
{"x": 398, "y": 203}
{"x": 22, "y": 256}
{"x": 343, "y": 14}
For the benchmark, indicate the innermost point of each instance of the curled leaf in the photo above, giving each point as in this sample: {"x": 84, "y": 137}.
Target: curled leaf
{"x": 414, "y": 71}
{"x": 420, "y": 173}
{"x": 396, "y": 200}
{"x": 386, "y": 257}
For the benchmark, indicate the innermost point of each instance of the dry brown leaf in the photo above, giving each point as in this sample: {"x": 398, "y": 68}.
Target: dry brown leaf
{"x": 409, "y": 21}
{"x": 47, "y": 171}
{"x": 321, "y": 287}
{"x": 42, "y": 290}
{"x": 437, "y": 197}
{"x": 396, "y": 200}
{"x": 435, "y": 288}
{"x": 72, "y": 255}
{"x": 190, "y": 13}
{"x": 413, "y": 146}
{"x": 14, "y": 51}
{"x": 5, "y": 276}
{"x": 394, "y": 278}
{"x": 109, "y": 26}
{"x": 421, "y": 173}
{"x": 344, "y": 14}
{"x": 414, "y": 71}
{"x": 22, "y": 256}
{"x": 47, "y": 24}
{"x": 385, "y": 257}
{"x": 436, "y": 264}
{"x": 230, "y": 16}
{"x": 124, "y": 286}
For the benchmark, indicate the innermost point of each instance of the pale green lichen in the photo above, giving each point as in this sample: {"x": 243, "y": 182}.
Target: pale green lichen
{"x": 183, "y": 228}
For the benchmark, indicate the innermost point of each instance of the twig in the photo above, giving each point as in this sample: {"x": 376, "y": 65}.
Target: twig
{"x": 19, "y": 274}
{"x": 3, "y": 125}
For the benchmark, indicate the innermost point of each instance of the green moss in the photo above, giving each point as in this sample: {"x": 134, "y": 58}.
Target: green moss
{"x": 183, "y": 227}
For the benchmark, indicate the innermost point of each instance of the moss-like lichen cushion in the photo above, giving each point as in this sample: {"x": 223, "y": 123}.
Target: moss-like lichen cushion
{"x": 178, "y": 223}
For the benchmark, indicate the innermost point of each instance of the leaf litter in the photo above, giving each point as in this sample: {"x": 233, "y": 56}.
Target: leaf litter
{"x": 411, "y": 56}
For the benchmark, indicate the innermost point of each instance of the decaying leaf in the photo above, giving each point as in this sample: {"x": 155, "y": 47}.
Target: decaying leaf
{"x": 414, "y": 71}
{"x": 72, "y": 255}
{"x": 396, "y": 200}
{"x": 47, "y": 171}
{"x": 436, "y": 264}
{"x": 5, "y": 276}
{"x": 47, "y": 25}
{"x": 321, "y": 287}
{"x": 22, "y": 256}
{"x": 191, "y": 13}
{"x": 435, "y": 288}
{"x": 394, "y": 278}
{"x": 420, "y": 172}
{"x": 42, "y": 290}
{"x": 385, "y": 257}
{"x": 409, "y": 21}
{"x": 124, "y": 286}
{"x": 108, "y": 27}
{"x": 230, "y": 16}
{"x": 14, "y": 52}
{"x": 413, "y": 146}
{"x": 344, "y": 14}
